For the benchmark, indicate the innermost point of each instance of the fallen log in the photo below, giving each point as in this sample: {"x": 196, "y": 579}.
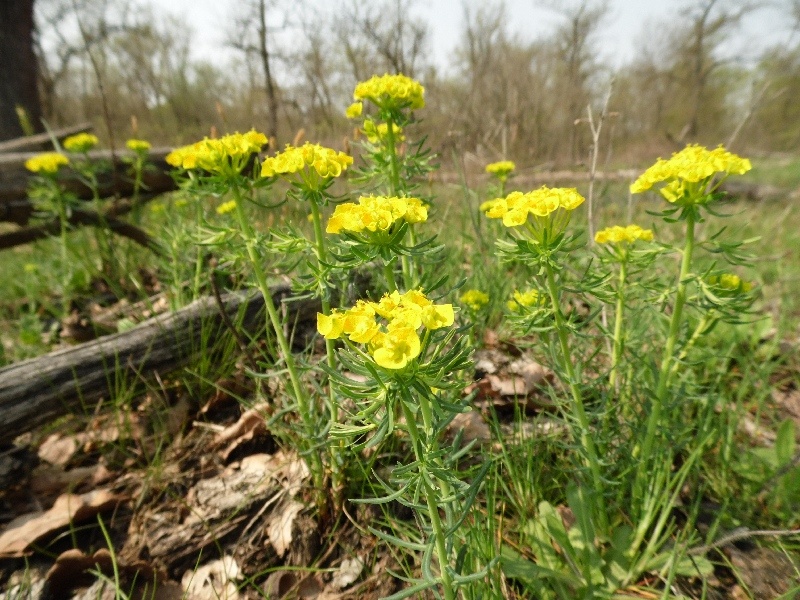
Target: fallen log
{"x": 42, "y": 141}
{"x": 36, "y": 391}
{"x": 78, "y": 217}
{"x": 116, "y": 180}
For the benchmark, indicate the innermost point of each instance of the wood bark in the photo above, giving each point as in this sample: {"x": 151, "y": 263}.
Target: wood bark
{"x": 36, "y": 391}
{"x": 114, "y": 181}
{"x": 42, "y": 141}
{"x": 18, "y": 68}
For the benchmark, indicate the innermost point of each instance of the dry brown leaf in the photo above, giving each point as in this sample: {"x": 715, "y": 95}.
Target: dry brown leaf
{"x": 279, "y": 528}
{"x": 52, "y": 479}
{"x": 68, "y": 509}
{"x": 348, "y": 573}
{"x": 215, "y": 580}
{"x": 473, "y": 426}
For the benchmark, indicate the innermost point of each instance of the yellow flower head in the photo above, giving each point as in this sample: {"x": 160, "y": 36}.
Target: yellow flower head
{"x": 729, "y": 284}
{"x": 225, "y": 155}
{"x": 501, "y": 169}
{"x": 138, "y": 146}
{"x": 692, "y": 165}
{"x": 391, "y": 91}
{"x": 80, "y": 142}
{"x": 380, "y": 132}
{"x": 515, "y": 208}
{"x": 474, "y": 299}
{"x": 48, "y": 162}
{"x": 354, "y": 110}
{"x": 619, "y": 235}
{"x": 376, "y": 213}
{"x": 528, "y": 298}
{"x": 226, "y": 207}
{"x": 327, "y": 163}
{"x": 388, "y": 327}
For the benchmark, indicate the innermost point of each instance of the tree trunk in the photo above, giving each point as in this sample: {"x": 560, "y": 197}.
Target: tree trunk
{"x": 18, "y": 68}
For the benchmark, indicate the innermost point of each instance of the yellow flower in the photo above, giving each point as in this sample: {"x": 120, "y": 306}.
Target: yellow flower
{"x": 474, "y": 299}
{"x": 138, "y": 146}
{"x": 226, "y": 207}
{"x": 380, "y": 132}
{"x": 327, "y": 163}
{"x": 354, "y": 110}
{"x": 330, "y": 326}
{"x": 389, "y": 326}
{"x": 391, "y": 91}
{"x": 396, "y": 348}
{"x": 48, "y": 162}
{"x": 375, "y": 213}
{"x": 501, "y": 169}
{"x": 225, "y": 155}
{"x": 618, "y": 234}
{"x": 81, "y": 142}
{"x": 31, "y": 267}
{"x": 730, "y": 284}
{"x": 515, "y": 208}
{"x": 692, "y": 165}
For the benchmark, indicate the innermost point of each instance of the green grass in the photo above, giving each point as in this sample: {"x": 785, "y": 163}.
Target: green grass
{"x": 728, "y": 377}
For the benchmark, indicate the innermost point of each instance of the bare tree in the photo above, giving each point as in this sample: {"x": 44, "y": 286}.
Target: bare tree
{"x": 252, "y": 35}
{"x": 382, "y": 36}
{"x": 574, "y": 44}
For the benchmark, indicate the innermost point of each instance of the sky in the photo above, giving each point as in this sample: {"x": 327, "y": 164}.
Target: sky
{"x": 621, "y": 34}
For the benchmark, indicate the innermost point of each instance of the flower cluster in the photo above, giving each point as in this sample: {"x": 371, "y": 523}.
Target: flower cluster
{"x": 692, "y": 165}
{"x": 729, "y": 284}
{"x": 221, "y": 155}
{"x": 501, "y": 169}
{"x": 81, "y": 142}
{"x": 618, "y": 235}
{"x": 380, "y": 132}
{"x": 48, "y": 162}
{"x": 389, "y": 327}
{"x": 354, "y": 110}
{"x": 138, "y": 146}
{"x": 528, "y": 298}
{"x": 397, "y": 91}
{"x": 375, "y": 213}
{"x": 326, "y": 162}
{"x": 515, "y": 208}
{"x": 474, "y": 299}
{"x": 226, "y": 207}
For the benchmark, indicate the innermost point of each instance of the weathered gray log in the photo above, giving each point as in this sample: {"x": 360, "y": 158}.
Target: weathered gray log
{"x": 15, "y": 207}
{"x": 36, "y": 391}
{"x": 78, "y": 217}
{"x": 42, "y": 141}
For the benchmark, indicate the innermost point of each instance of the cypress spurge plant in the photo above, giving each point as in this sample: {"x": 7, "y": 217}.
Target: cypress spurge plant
{"x": 311, "y": 170}
{"x": 47, "y": 192}
{"x": 389, "y": 165}
{"x": 691, "y": 179}
{"x": 537, "y": 222}
{"x": 138, "y": 163}
{"x": 87, "y": 170}
{"x": 218, "y": 165}
{"x": 618, "y": 242}
{"x": 407, "y": 356}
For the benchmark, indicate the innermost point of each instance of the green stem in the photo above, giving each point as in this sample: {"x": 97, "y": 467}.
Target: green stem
{"x": 274, "y": 322}
{"x": 665, "y": 373}
{"x": 394, "y": 189}
{"x": 333, "y": 407}
{"x": 388, "y": 273}
{"x": 430, "y": 498}
{"x": 578, "y": 410}
{"x": 616, "y": 355}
